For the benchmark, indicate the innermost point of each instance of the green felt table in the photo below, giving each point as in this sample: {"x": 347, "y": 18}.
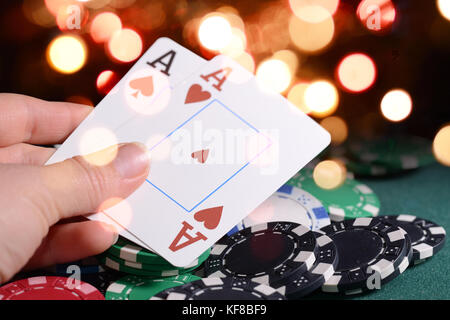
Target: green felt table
{"x": 425, "y": 193}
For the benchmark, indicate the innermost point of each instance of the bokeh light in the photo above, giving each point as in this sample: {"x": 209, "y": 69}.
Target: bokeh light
{"x": 356, "y": 72}
{"x": 125, "y": 45}
{"x": 67, "y": 54}
{"x": 337, "y": 128}
{"x": 313, "y": 30}
{"x": 96, "y": 4}
{"x": 55, "y": 5}
{"x": 329, "y": 174}
{"x": 246, "y": 60}
{"x": 297, "y": 96}
{"x": 396, "y": 105}
{"x": 329, "y": 5}
{"x": 444, "y": 8}
{"x": 96, "y": 139}
{"x": 376, "y": 15}
{"x": 106, "y": 80}
{"x": 274, "y": 75}
{"x": 322, "y": 98}
{"x": 38, "y": 13}
{"x": 71, "y": 17}
{"x": 215, "y": 32}
{"x": 237, "y": 44}
{"x": 289, "y": 57}
{"x": 104, "y": 25}
{"x": 441, "y": 145}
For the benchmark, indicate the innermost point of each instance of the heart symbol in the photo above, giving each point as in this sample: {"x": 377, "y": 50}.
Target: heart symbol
{"x": 196, "y": 94}
{"x": 143, "y": 85}
{"x": 200, "y": 155}
{"x": 210, "y": 217}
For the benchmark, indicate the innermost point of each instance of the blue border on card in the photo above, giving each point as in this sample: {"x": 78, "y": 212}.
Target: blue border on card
{"x": 231, "y": 177}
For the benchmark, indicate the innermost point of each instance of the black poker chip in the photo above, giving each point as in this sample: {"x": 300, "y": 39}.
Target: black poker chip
{"x": 302, "y": 283}
{"x": 368, "y": 249}
{"x": 266, "y": 253}
{"x": 220, "y": 289}
{"x": 426, "y": 236}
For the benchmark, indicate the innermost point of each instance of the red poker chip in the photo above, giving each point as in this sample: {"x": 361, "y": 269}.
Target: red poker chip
{"x": 49, "y": 288}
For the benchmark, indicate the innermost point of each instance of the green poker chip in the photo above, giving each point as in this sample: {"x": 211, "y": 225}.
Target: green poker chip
{"x": 398, "y": 152}
{"x": 349, "y": 201}
{"x": 125, "y": 250}
{"x": 133, "y": 287}
{"x": 130, "y": 251}
{"x": 128, "y": 267}
{"x": 159, "y": 267}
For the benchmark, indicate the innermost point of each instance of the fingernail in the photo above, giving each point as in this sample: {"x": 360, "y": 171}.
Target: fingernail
{"x": 115, "y": 238}
{"x": 132, "y": 160}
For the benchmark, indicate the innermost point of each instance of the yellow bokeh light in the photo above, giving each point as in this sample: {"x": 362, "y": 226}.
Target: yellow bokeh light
{"x": 236, "y": 45}
{"x": 337, "y": 128}
{"x": 297, "y": 96}
{"x": 104, "y": 25}
{"x": 329, "y": 174}
{"x": 245, "y": 59}
{"x": 396, "y": 105}
{"x": 329, "y": 5}
{"x": 356, "y": 72}
{"x": 289, "y": 57}
{"x": 441, "y": 146}
{"x": 67, "y": 54}
{"x": 314, "y": 31}
{"x": 125, "y": 45}
{"x": 274, "y": 74}
{"x": 97, "y": 139}
{"x": 215, "y": 32}
{"x": 321, "y": 97}
{"x": 444, "y": 8}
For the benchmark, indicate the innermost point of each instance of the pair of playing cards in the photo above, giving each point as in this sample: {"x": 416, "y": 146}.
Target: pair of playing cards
{"x": 220, "y": 144}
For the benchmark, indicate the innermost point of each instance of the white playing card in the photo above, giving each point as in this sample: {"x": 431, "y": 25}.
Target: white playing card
{"x": 221, "y": 147}
{"x": 167, "y": 63}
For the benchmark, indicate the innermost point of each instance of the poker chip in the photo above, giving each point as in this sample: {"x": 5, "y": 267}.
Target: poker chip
{"x": 128, "y": 251}
{"x": 49, "y": 288}
{"x": 399, "y": 152}
{"x": 403, "y": 265}
{"x": 139, "y": 288}
{"x": 159, "y": 267}
{"x": 426, "y": 236}
{"x": 290, "y": 204}
{"x": 129, "y": 267}
{"x": 351, "y": 200}
{"x": 220, "y": 289}
{"x": 365, "y": 246}
{"x": 266, "y": 253}
{"x": 102, "y": 280}
{"x": 303, "y": 283}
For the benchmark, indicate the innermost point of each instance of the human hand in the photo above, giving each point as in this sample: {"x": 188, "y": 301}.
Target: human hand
{"x": 33, "y": 197}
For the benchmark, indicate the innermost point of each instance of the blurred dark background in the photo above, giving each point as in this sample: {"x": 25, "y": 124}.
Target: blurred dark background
{"x": 412, "y": 53}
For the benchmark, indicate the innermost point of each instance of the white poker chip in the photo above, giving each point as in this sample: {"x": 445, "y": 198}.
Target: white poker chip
{"x": 290, "y": 204}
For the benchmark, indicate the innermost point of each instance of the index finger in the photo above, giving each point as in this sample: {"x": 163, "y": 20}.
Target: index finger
{"x": 31, "y": 120}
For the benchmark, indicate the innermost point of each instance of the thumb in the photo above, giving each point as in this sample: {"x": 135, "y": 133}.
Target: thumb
{"x": 81, "y": 185}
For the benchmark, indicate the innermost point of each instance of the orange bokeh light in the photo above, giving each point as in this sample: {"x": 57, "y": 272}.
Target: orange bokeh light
{"x": 356, "y": 72}
{"x": 104, "y": 25}
{"x": 125, "y": 45}
{"x": 106, "y": 80}
{"x": 376, "y": 15}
